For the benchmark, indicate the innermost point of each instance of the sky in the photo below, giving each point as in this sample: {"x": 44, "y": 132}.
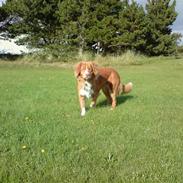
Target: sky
{"x": 178, "y": 24}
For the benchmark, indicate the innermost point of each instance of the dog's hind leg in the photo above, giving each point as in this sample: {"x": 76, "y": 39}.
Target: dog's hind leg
{"x": 114, "y": 93}
{"x": 106, "y": 90}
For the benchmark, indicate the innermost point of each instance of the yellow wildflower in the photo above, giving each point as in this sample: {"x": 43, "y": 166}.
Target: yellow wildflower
{"x": 24, "y": 147}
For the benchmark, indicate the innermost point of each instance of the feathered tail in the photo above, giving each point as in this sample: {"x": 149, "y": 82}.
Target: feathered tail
{"x": 125, "y": 88}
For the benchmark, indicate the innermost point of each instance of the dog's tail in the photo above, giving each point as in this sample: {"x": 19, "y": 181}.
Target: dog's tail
{"x": 125, "y": 88}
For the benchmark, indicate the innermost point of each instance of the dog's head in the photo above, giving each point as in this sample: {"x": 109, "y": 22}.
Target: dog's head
{"x": 86, "y": 70}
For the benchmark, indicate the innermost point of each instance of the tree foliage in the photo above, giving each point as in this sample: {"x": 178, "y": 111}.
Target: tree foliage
{"x": 111, "y": 26}
{"x": 160, "y": 16}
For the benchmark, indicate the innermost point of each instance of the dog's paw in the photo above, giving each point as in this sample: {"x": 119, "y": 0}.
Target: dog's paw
{"x": 83, "y": 112}
{"x": 92, "y": 104}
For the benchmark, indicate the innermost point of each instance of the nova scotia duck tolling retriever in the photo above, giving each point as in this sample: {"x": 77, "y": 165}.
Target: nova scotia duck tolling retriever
{"x": 91, "y": 79}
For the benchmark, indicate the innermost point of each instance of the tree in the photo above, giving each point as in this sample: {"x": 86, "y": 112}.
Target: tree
{"x": 131, "y": 28}
{"x": 111, "y": 25}
{"x": 105, "y": 28}
{"x": 160, "y": 16}
{"x": 3, "y": 14}
{"x": 39, "y": 20}
{"x": 74, "y": 20}
{"x": 85, "y": 23}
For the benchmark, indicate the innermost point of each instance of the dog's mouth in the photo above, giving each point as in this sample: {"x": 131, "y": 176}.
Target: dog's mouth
{"x": 86, "y": 74}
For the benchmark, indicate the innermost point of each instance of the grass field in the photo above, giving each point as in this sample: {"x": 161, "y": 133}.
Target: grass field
{"x": 43, "y": 139}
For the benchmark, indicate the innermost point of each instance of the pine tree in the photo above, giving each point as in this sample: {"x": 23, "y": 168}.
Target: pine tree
{"x": 74, "y": 20}
{"x": 112, "y": 25}
{"x": 41, "y": 19}
{"x": 131, "y": 28}
{"x": 12, "y": 13}
{"x": 105, "y": 27}
{"x": 3, "y": 14}
{"x": 160, "y": 16}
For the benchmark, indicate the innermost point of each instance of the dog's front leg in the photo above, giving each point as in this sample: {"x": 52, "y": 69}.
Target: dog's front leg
{"x": 94, "y": 98}
{"x": 82, "y": 105}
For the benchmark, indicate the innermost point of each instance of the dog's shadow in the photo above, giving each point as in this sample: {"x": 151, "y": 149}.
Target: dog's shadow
{"x": 120, "y": 100}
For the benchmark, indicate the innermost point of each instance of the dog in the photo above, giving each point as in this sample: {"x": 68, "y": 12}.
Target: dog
{"x": 92, "y": 78}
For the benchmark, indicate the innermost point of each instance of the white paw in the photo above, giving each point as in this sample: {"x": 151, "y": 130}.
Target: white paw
{"x": 83, "y": 112}
{"x": 92, "y": 105}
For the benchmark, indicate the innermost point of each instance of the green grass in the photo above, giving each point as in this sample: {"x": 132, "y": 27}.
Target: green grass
{"x": 140, "y": 141}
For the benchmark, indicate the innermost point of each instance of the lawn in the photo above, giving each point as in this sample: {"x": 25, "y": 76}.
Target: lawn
{"x": 43, "y": 138}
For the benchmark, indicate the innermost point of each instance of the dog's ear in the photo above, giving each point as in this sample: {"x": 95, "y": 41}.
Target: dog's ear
{"x": 94, "y": 68}
{"x": 77, "y": 69}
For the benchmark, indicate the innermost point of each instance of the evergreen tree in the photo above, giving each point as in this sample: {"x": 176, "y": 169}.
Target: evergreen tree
{"x": 74, "y": 19}
{"x": 41, "y": 19}
{"x": 160, "y": 16}
{"x": 85, "y": 23}
{"x": 131, "y": 28}
{"x": 105, "y": 26}
{"x": 3, "y": 14}
{"x": 10, "y": 12}
{"x": 112, "y": 25}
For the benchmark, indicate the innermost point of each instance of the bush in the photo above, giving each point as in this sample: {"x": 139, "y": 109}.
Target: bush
{"x": 127, "y": 58}
{"x": 54, "y": 54}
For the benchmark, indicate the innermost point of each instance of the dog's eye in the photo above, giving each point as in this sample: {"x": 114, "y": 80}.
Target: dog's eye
{"x": 89, "y": 69}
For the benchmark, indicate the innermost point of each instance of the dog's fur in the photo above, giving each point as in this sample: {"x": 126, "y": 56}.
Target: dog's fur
{"x": 91, "y": 79}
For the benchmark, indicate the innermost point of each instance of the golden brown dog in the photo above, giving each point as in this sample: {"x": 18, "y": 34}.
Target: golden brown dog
{"x": 91, "y": 79}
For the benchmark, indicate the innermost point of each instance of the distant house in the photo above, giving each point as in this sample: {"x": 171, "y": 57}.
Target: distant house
{"x": 9, "y": 45}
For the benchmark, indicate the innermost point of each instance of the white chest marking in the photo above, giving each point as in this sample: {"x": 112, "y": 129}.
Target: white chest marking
{"x": 86, "y": 91}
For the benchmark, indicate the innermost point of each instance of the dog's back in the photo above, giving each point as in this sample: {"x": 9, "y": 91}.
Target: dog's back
{"x": 107, "y": 76}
